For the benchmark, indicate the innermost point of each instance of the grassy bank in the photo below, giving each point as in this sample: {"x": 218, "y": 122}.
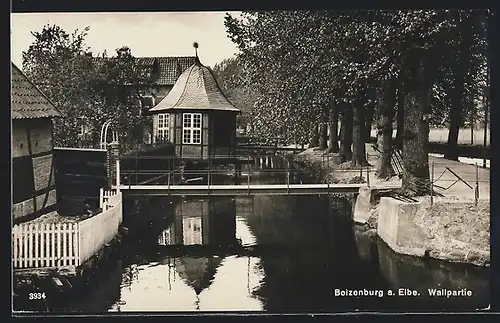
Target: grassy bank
{"x": 465, "y": 136}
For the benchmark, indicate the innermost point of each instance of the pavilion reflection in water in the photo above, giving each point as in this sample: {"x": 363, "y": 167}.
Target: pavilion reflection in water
{"x": 204, "y": 223}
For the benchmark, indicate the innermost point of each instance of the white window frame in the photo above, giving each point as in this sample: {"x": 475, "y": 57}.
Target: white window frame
{"x": 189, "y": 129}
{"x": 163, "y": 127}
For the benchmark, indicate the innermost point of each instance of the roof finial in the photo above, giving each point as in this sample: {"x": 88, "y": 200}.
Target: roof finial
{"x": 196, "y": 45}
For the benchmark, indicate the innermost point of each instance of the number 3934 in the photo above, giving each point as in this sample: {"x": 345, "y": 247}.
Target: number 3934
{"x": 35, "y": 296}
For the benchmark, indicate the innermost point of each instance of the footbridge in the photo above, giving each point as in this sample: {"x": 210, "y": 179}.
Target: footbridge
{"x": 283, "y": 180}
{"x": 250, "y": 189}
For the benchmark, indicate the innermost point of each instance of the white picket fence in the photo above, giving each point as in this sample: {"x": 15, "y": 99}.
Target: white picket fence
{"x": 99, "y": 230}
{"x": 59, "y": 245}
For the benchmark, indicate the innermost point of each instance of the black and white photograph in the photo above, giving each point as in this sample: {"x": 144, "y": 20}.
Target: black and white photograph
{"x": 313, "y": 161}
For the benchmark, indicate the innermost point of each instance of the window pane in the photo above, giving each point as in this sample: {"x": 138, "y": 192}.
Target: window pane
{"x": 196, "y": 136}
{"x": 187, "y": 120}
{"x": 161, "y": 120}
{"x": 197, "y": 120}
{"x": 186, "y": 136}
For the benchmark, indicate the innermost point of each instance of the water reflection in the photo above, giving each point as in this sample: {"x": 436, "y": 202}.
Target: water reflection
{"x": 202, "y": 222}
{"x": 192, "y": 255}
{"x": 423, "y": 275}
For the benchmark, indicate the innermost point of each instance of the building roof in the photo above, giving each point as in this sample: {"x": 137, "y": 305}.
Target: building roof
{"x": 28, "y": 101}
{"x": 172, "y": 67}
{"x": 197, "y": 272}
{"x": 164, "y": 70}
{"x": 196, "y": 89}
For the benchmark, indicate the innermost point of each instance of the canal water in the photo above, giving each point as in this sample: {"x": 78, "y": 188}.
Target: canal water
{"x": 264, "y": 253}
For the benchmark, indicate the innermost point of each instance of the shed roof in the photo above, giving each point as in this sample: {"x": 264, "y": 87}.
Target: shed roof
{"x": 196, "y": 89}
{"x": 28, "y": 101}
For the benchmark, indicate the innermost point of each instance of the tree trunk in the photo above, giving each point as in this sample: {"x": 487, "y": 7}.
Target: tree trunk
{"x": 358, "y": 133}
{"x": 346, "y": 133}
{"x": 455, "y": 118}
{"x": 370, "y": 111}
{"x": 314, "y": 137}
{"x": 400, "y": 117}
{"x": 384, "y": 131}
{"x": 457, "y": 93}
{"x": 415, "y": 181}
{"x": 333, "y": 123}
{"x": 323, "y": 133}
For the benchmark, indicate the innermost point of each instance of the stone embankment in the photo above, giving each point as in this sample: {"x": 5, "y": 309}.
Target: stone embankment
{"x": 454, "y": 228}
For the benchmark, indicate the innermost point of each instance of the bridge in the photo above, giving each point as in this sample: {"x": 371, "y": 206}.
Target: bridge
{"x": 161, "y": 179}
{"x": 200, "y": 183}
{"x": 249, "y": 189}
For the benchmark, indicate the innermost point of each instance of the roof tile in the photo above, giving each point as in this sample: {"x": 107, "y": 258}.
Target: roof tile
{"x": 196, "y": 88}
{"x": 170, "y": 68}
{"x": 27, "y": 100}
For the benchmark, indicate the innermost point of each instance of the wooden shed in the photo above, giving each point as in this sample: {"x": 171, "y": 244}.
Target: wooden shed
{"x": 33, "y": 183}
{"x": 196, "y": 116}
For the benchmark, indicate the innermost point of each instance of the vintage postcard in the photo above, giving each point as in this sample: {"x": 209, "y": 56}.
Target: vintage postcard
{"x": 250, "y": 161}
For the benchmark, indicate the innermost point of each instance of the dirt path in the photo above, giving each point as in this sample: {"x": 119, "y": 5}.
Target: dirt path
{"x": 445, "y": 174}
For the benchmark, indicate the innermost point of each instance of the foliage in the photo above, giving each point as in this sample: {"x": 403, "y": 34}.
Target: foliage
{"x": 302, "y": 62}
{"x": 88, "y": 90}
{"x": 231, "y": 75}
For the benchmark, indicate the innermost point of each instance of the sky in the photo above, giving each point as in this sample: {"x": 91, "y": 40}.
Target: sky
{"x": 147, "y": 34}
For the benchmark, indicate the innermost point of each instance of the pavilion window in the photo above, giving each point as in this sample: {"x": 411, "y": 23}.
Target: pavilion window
{"x": 191, "y": 128}
{"x": 163, "y": 127}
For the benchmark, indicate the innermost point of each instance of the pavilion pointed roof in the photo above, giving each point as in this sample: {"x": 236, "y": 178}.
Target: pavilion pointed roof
{"x": 197, "y": 272}
{"x": 196, "y": 89}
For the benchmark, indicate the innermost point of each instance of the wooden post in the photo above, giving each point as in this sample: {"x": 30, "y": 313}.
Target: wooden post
{"x": 368, "y": 175}
{"x": 432, "y": 183}
{"x": 209, "y": 174}
{"x": 476, "y": 193}
{"x": 136, "y": 168}
{"x": 472, "y": 133}
{"x": 287, "y": 177}
{"x": 118, "y": 174}
{"x": 168, "y": 183}
{"x": 101, "y": 197}
{"x": 248, "y": 173}
{"x": 486, "y": 107}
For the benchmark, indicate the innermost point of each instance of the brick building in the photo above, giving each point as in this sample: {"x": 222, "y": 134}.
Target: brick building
{"x": 33, "y": 180}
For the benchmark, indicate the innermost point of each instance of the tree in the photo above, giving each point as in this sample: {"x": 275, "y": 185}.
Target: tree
{"x": 333, "y": 121}
{"x": 308, "y": 60}
{"x": 232, "y": 78}
{"x": 384, "y": 128}
{"x": 87, "y": 92}
{"x": 119, "y": 85}
{"x": 60, "y": 65}
{"x": 465, "y": 67}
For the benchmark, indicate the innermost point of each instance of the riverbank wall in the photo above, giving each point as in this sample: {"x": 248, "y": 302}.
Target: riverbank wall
{"x": 453, "y": 227}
